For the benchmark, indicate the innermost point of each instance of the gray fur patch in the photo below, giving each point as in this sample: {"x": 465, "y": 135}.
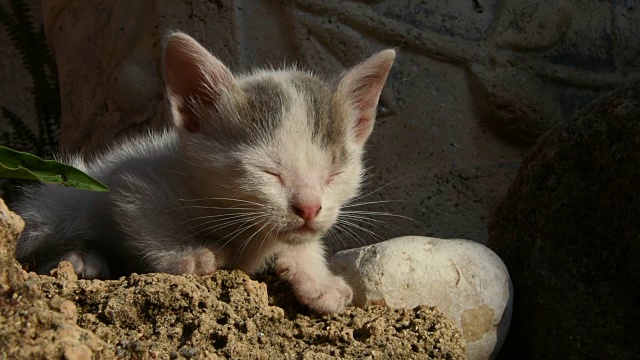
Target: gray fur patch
{"x": 263, "y": 104}
{"x": 324, "y": 114}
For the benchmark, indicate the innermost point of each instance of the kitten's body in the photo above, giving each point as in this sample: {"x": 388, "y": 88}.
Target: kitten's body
{"x": 256, "y": 169}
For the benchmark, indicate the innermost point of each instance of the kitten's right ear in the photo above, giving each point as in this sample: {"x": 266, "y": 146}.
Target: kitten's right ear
{"x": 193, "y": 78}
{"x": 361, "y": 87}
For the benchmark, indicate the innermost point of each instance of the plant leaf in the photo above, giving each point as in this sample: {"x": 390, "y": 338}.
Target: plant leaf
{"x": 21, "y": 165}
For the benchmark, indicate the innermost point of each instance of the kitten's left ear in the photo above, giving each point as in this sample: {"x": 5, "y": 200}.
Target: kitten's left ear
{"x": 361, "y": 87}
{"x": 193, "y": 78}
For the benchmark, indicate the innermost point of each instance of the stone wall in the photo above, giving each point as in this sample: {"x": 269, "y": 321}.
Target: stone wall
{"x": 475, "y": 84}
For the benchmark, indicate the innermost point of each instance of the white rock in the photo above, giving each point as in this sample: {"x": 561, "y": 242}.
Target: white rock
{"x": 465, "y": 280}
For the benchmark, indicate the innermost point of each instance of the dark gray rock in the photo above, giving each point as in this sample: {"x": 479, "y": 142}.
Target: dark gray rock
{"x": 569, "y": 233}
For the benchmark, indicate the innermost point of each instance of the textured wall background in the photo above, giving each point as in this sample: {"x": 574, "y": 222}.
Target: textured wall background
{"x": 475, "y": 83}
{"x": 15, "y": 83}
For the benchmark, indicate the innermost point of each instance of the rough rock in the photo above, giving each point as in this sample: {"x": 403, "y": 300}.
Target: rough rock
{"x": 11, "y": 225}
{"x": 463, "y": 279}
{"x": 31, "y": 324}
{"x": 228, "y": 315}
{"x": 569, "y": 233}
{"x": 225, "y": 315}
{"x": 474, "y": 84}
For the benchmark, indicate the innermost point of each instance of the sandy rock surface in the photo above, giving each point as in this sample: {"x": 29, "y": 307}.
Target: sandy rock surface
{"x": 225, "y": 315}
{"x": 33, "y": 325}
{"x": 10, "y": 227}
{"x": 465, "y": 280}
{"x": 569, "y": 233}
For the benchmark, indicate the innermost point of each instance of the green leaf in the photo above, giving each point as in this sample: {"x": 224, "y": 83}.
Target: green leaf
{"x": 21, "y": 165}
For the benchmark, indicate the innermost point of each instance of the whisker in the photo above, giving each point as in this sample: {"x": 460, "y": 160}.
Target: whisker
{"x": 211, "y": 229}
{"x": 237, "y": 232}
{"x": 222, "y": 226}
{"x": 213, "y": 207}
{"x": 223, "y": 216}
{"x": 223, "y": 198}
{"x": 377, "y": 213}
{"x": 372, "y": 222}
{"x": 361, "y": 241}
{"x": 362, "y": 229}
{"x": 383, "y": 186}
{"x": 354, "y": 235}
{"x": 342, "y": 231}
{"x": 230, "y": 218}
{"x": 246, "y": 242}
{"x": 267, "y": 236}
{"x": 333, "y": 235}
{"x": 371, "y": 202}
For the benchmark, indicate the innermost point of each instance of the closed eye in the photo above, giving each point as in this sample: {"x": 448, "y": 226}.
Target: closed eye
{"x": 333, "y": 177}
{"x": 276, "y": 175}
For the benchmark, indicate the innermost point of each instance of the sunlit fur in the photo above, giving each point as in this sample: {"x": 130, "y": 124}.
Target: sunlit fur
{"x": 218, "y": 189}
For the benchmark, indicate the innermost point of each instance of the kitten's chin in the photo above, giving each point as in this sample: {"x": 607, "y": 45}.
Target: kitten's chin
{"x": 303, "y": 234}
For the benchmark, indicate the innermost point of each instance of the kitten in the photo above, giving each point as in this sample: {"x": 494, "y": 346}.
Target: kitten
{"x": 254, "y": 172}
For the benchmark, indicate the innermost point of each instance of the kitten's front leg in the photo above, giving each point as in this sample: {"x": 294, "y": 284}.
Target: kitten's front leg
{"x": 200, "y": 261}
{"x": 305, "y": 268}
{"x": 88, "y": 265}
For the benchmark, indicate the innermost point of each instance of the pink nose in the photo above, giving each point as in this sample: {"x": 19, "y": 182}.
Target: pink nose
{"x": 306, "y": 212}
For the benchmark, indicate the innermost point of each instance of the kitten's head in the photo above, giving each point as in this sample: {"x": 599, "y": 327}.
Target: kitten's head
{"x": 284, "y": 144}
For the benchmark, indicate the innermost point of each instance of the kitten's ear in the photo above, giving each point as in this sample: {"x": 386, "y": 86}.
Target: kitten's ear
{"x": 361, "y": 87}
{"x": 193, "y": 78}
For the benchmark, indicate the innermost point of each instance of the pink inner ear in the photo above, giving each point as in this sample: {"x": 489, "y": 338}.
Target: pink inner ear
{"x": 366, "y": 108}
{"x": 362, "y": 86}
{"x": 363, "y": 128}
{"x": 190, "y": 89}
{"x": 193, "y": 77}
{"x": 365, "y": 98}
{"x": 189, "y": 119}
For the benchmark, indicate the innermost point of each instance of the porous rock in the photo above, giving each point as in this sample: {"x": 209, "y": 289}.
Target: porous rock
{"x": 224, "y": 315}
{"x": 569, "y": 233}
{"x": 10, "y": 227}
{"x": 33, "y": 325}
{"x": 463, "y": 279}
{"x": 229, "y": 315}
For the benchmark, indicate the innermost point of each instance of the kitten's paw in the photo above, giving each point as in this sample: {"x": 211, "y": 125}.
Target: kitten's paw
{"x": 205, "y": 262}
{"x": 88, "y": 265}
{"x": 199, "y": 262}
{"x": 326, "y": 297}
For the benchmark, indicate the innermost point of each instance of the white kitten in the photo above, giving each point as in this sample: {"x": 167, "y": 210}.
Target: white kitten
{"x": 255, "y": 170}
